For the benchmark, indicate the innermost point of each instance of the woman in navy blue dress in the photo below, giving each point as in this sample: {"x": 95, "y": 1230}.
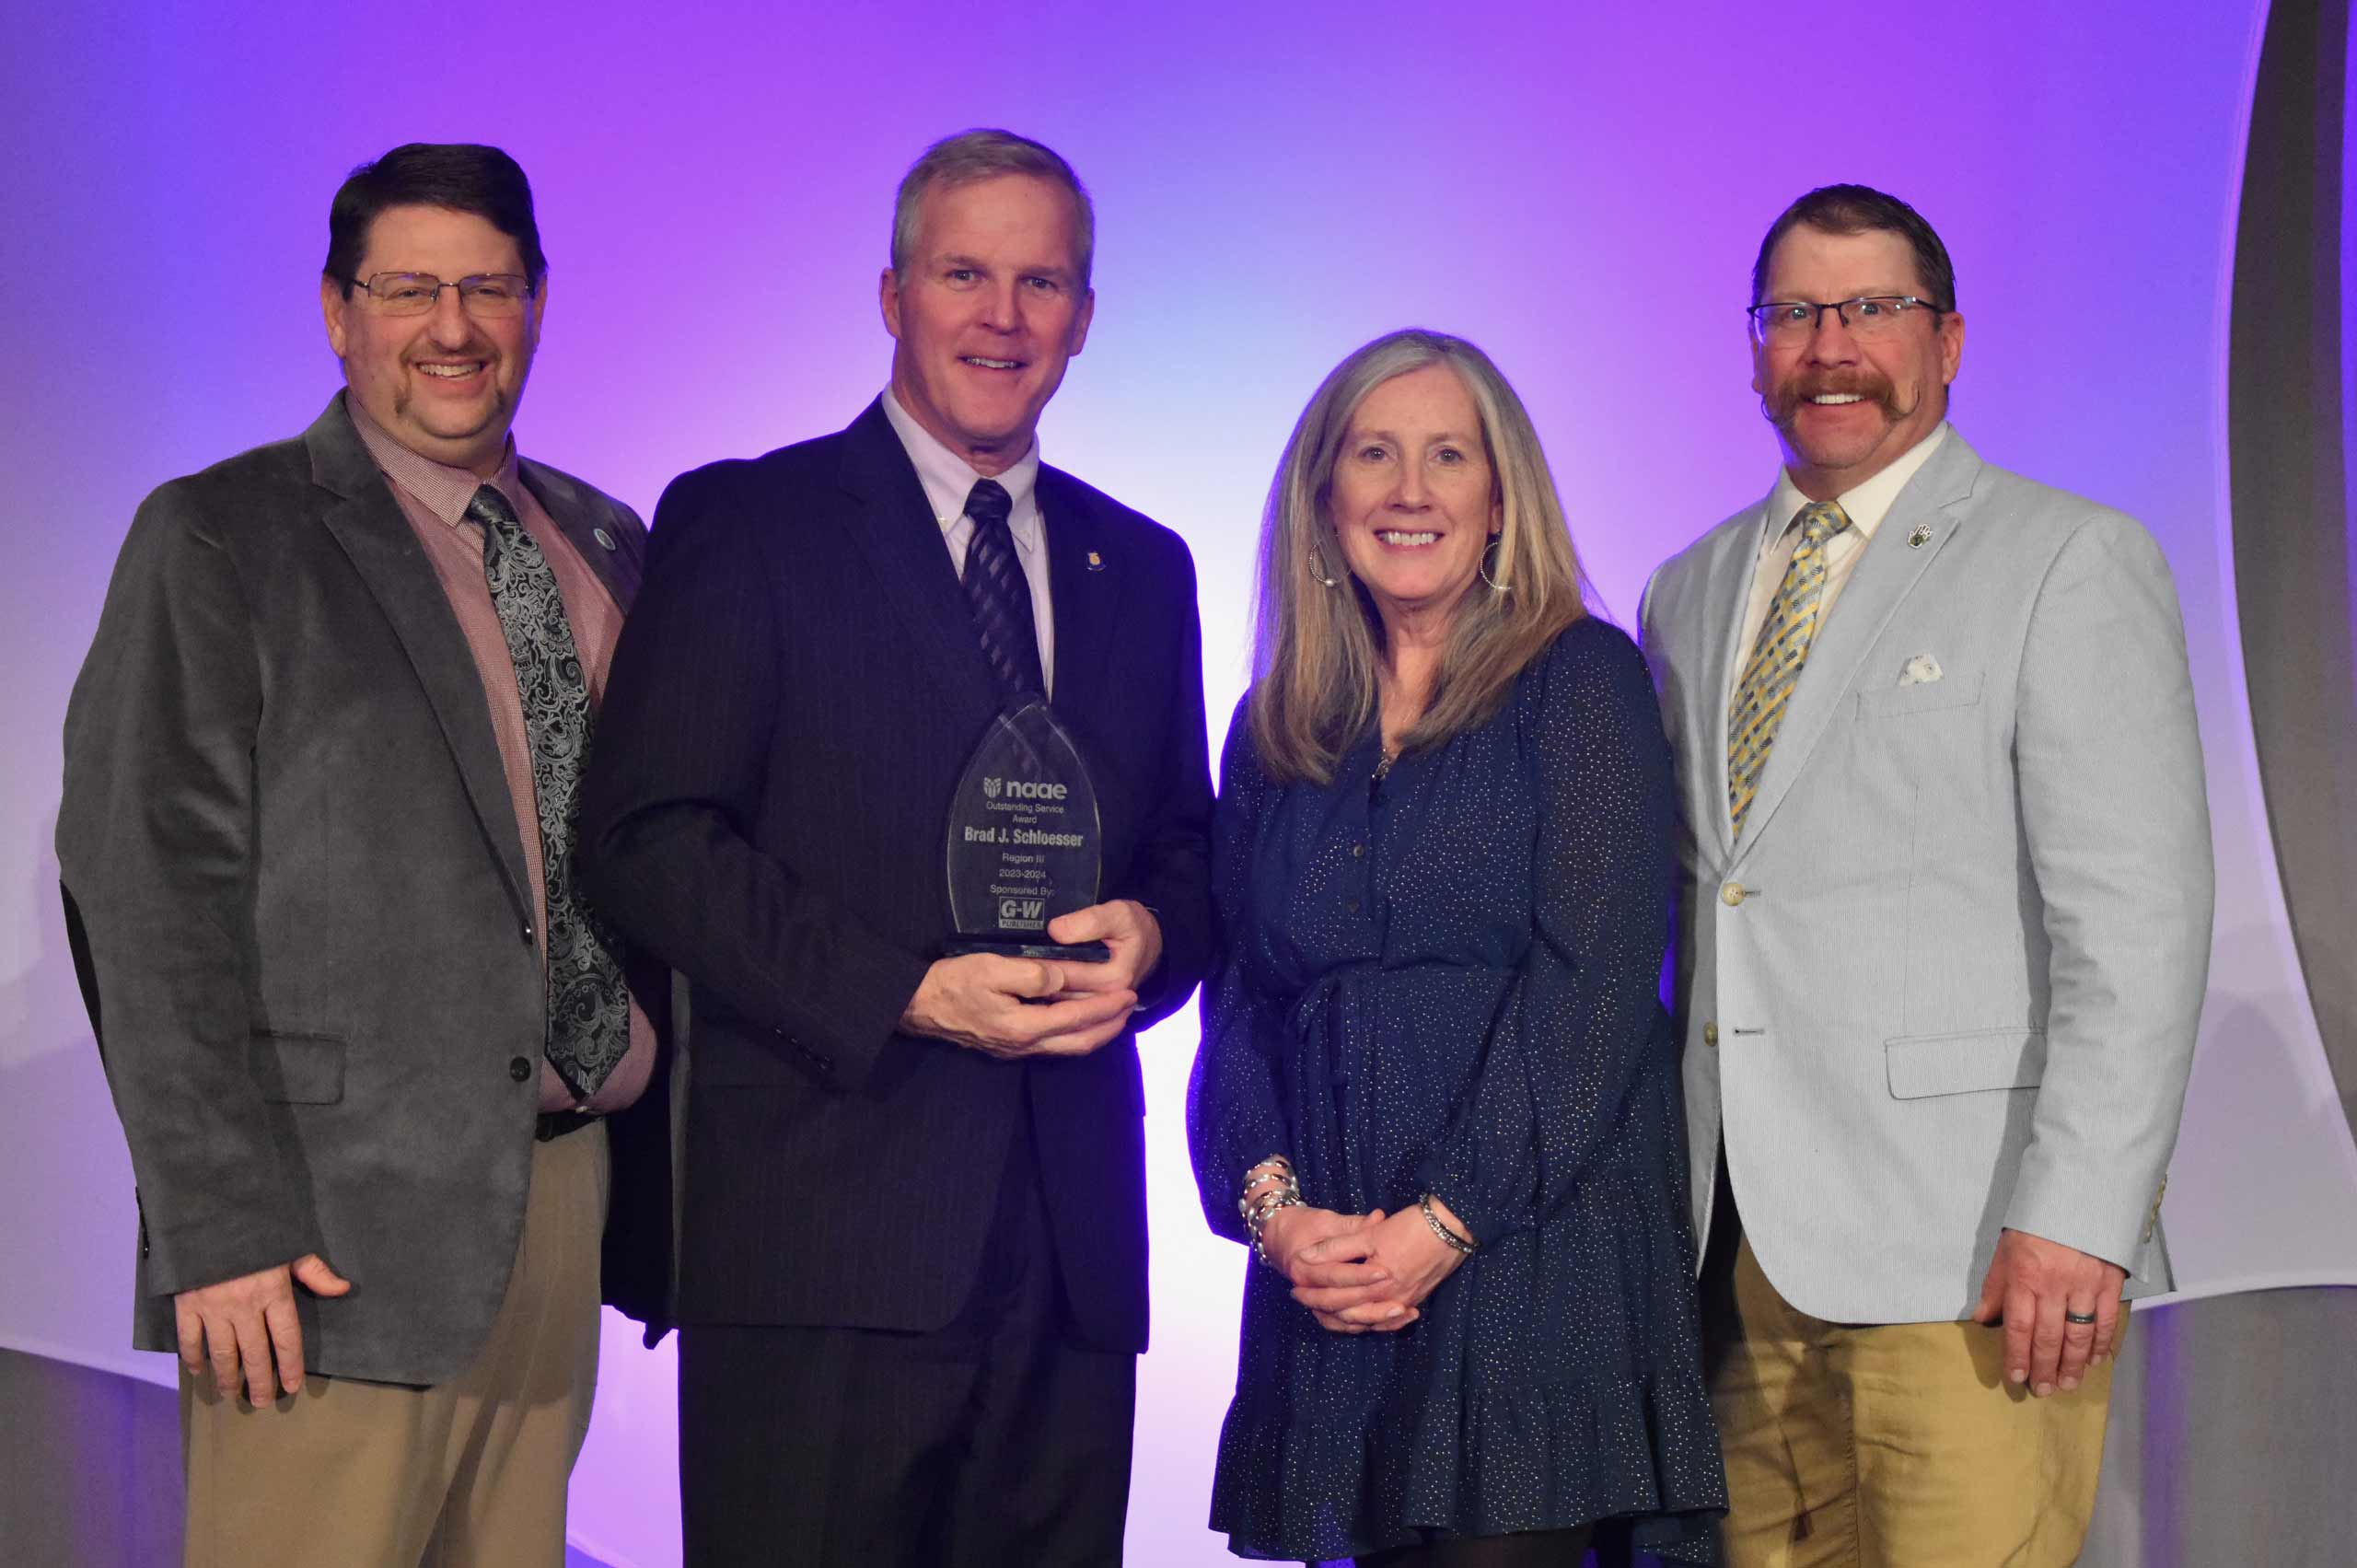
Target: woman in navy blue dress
{"x": 1437, "y": 1091}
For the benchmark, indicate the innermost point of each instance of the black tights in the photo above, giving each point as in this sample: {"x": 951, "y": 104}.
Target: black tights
{"x": 1532, "y": 1548}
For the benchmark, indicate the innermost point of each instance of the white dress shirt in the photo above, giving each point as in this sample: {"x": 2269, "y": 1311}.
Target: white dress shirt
{"x": 1867, "y": 506}
{"x": 949, "y": 479}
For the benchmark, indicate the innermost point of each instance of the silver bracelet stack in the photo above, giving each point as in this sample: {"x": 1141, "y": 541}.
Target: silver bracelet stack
{"x": 1269, "y": 1186}
{"x": 1464, "y": 1244}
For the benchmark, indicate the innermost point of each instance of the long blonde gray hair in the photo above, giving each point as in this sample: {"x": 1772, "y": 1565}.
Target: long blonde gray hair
{"x": 1317, "y": 641}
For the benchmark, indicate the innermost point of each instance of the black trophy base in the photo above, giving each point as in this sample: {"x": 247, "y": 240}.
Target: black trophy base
{"x": 1025, "y": 947}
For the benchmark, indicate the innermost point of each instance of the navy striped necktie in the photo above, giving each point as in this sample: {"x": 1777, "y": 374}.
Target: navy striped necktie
{"x": 999, "y": 594}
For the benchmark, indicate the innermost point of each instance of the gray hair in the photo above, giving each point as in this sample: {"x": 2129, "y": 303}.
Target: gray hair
{"x": 977, "y": 155}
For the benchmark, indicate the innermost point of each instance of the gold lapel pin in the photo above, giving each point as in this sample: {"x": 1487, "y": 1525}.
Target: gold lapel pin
{"x": 1921, "y": 537}
{"x": 1095, "y": 561}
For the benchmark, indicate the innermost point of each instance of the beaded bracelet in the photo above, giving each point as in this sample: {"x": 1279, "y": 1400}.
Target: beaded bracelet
{"x": 1274, "y": 1167}
{"x": 1263, "y": 1195}
{"x": 1457, "y": 1243}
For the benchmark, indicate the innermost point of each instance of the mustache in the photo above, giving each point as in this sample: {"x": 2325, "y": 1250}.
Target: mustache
{"x": 1784, "y": 404}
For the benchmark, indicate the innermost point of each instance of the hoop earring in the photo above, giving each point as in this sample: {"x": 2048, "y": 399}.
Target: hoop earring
{"x": 1318, "y": 570}
{"x": 1488, "y": 555}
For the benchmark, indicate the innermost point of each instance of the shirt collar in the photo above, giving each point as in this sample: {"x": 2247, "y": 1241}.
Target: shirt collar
{"x": 949, "y": 479}
{"x": 442, "y": 490}
{"x": 1868, "y": 503}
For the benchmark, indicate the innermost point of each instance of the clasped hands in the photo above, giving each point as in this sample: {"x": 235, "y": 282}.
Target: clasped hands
{"x": 1011, "y": 1008}
{"x": 1359, "y": 1274}
{"x": 2031, "y": 1285}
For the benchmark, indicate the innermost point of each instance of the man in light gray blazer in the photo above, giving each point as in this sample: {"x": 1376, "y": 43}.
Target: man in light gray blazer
{"x": 316, "y": 843}
{"x": 1945, "y": 931}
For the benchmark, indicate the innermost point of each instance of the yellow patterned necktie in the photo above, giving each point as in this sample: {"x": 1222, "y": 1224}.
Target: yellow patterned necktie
{"x": 1774, "y": 666}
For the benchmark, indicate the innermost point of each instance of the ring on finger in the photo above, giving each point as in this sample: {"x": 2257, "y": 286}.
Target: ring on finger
{"x": 2081, "y": 1319}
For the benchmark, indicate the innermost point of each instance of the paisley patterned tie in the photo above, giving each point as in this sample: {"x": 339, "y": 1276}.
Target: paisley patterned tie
{"x": 1774, "y": 668}
{"x": 588, "y": 1024}
{"x": 998, "y": 593}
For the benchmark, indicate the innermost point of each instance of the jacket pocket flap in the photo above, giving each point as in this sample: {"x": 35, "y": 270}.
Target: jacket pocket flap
{"x": 1923, "y": 1065}
{"x": 293, "y": 1069}
{"x": 1922, "y": 697}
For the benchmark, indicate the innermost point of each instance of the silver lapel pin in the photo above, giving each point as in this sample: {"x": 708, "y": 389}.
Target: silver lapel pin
{"x": 1921, "y": 537}
{"x": 602, "y": 537}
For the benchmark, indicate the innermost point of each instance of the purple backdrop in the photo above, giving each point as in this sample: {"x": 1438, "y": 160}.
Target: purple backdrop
{"x": 1581, "y": 193}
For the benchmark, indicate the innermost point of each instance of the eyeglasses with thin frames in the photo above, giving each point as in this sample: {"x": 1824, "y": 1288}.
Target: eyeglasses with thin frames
{"x": 414, "y": 294}
{"x": 1869, "y": 317}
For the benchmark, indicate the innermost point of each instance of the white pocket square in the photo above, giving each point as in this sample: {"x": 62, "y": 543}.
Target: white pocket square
{"x": 1920, "y": 671}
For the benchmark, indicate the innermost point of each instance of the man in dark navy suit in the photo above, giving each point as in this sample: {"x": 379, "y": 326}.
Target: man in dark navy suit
{"x": 912, "y": 1240}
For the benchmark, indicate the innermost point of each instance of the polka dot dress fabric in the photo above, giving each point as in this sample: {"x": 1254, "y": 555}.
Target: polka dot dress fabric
{"x": 1446, "y": 979}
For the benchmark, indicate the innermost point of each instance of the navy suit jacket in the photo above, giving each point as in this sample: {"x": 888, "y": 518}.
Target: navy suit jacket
{"x": 789, "y": 711}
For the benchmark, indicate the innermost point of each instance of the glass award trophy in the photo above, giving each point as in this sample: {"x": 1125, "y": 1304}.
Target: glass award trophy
{"x": 1025, "y": 844}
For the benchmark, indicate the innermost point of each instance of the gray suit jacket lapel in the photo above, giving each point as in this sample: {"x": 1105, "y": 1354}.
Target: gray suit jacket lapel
{"x": 1726, "y": 594}
{"x": 582, "y": 518}
{"x": 1932, "y": 500}
{"x": 368, "y": 522}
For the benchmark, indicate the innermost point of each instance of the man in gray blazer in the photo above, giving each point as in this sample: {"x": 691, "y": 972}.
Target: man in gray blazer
{"x": 317, "y": 844}
{"x": 1945, "y": 929}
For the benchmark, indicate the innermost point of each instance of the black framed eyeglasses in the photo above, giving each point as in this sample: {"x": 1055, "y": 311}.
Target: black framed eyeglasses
{"x": 1867, "y": 318}
{"x": 413, "y": 294}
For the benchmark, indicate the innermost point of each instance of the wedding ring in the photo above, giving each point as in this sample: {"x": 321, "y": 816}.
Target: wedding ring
{"x": 2071, "y": 1317}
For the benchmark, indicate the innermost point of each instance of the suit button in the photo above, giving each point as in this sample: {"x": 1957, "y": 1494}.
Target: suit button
{"x": 1358, "y": 851}
{"x": 1711, "y": 1034}
{"x": 1732, "y": 894}
{"x": 520, "y": 1069}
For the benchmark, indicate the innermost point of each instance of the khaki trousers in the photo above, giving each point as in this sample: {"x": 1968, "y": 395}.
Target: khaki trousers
{"x": 1896, "y": 1445}
{"x": 384, "y": 1475}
